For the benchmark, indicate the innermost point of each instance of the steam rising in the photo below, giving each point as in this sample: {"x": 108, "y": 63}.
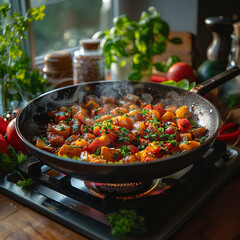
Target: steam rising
{"x": 34, "y": 116}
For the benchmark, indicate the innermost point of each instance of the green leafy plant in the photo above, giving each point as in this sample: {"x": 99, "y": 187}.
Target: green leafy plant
{"x": 142, "y": 40}
{"x": 181, "y": 84}
{"x": 8, "y": 163}
{"x": 17, "y": 79}
{"x": 125, "y": 222}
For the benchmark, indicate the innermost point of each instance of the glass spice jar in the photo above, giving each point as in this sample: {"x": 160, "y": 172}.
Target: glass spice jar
{"x": 58, "y": 69}
{"x": 88, "y": 62}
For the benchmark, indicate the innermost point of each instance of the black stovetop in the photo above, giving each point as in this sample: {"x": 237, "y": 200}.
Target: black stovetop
{"x": 166, "y": 203}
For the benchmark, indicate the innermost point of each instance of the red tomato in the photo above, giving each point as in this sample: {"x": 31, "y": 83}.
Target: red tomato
{"x": 180, "y": 70}
{"x": 3, "y": 126}
{"x": 13, "y": 138}
{"x": 3, "y": 145}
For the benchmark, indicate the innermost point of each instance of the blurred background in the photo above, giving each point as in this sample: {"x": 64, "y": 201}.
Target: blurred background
{"x": 68, "y": 21}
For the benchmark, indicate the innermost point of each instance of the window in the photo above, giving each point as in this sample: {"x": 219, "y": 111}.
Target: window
{"x": 65, "y": 23}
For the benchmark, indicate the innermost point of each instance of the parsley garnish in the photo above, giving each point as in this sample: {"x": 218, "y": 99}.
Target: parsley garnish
{"x": 126, "y": 221}
{"x": 9, "y": 163}
{"x": 125, "y": 150}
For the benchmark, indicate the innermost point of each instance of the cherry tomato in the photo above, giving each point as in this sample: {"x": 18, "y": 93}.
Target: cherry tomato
{"x": 179, "y": 71}
{"x": 13, "y": 138}
{"x": 3, "y": 126}
{"x": 3, "y": 145}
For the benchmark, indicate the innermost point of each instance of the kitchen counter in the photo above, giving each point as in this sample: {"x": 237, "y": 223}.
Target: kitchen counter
{"x": 219, "y": 219}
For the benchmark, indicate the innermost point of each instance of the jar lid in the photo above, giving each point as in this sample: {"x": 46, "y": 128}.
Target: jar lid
{"x": 90, "y": 44}
{"x": 58, "y": 60}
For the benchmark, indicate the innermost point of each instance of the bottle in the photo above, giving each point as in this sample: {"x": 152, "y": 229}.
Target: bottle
{"x": 232, "y": 87}
{"x": 88, "y": 62}
{"x": 58, "y": 68}
{"x": 219, "y": 48}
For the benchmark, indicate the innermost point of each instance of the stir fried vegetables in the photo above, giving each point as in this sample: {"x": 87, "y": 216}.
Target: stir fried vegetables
{"x": 127, "y": 130}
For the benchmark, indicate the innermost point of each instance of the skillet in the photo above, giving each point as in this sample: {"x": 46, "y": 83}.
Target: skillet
{"x": 32, "y": 121}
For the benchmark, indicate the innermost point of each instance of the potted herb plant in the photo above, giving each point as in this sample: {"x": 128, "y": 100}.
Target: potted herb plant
{"x": 137, "y": 42}
{"x": 18, "y": 82}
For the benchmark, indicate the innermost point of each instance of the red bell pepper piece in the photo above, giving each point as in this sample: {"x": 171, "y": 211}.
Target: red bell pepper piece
{"x": 170, "y": 130}
{"x": 134, "y": 149}
{"x": 61, "y": 118}
{"x": 183, "y": 124}
{"x": 159, "y": 109}
{"x": 103, "y": 140}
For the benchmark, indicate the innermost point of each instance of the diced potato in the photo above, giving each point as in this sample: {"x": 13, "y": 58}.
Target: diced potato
{"x": 89, "y": 136}
{"x": 118, "y": 111}
{"x": 159, "y": 105}
{"x": 199, "y": 132}
{"x": 171, "y": 109}
{"x": 135, "y": 115}
{"x": 86, "y": 156}
{"x": 167, "y": 116}
{"x": 84, "y": 112}
{"x": 41, "y": 144}
{"x": 129, "y": 159}
{"x": 70, "y": 151}
{"x": 103, "y": 118}
{"x": 138, "y": 155}
{"x": 133, "y": 107}
{"x": 139, "y": 128}
{"x": 71, "y": 139}
{"x": 111, "y": 155}
{"x": 92, "y": 105}
{"x": 189, "y": 145}
{"x": 55, "y": 139}
{"x": 125, "y": 122}
{"x": 183, "y": 112}
{"x": 85, "y": 120}
{"x": 81, "y": 144}
{"x": 153, "y": 114}
{"x": 187, "y": 136}
{"x": 75, "y": 109}
{"x": 62, "y": 129}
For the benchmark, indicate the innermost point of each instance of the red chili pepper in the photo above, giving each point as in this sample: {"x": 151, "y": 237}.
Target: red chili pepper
{"x": 229, "y": 135}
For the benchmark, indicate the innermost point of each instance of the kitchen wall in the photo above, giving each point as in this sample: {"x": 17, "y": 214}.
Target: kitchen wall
{"x": 186, "y": 15}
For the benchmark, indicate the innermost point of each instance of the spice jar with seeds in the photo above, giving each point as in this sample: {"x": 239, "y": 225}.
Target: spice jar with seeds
{"x": 88, "y": 62}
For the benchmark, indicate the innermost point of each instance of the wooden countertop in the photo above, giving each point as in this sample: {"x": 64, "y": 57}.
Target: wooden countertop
{"x": 219, "y": 219}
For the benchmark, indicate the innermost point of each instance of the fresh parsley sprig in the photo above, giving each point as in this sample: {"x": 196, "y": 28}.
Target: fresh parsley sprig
{"x": 9, "y": 163}
{"x": 125, "y": 222}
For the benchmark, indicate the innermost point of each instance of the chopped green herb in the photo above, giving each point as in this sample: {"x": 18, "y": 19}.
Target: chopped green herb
{"x": 125, "y": 150}
{"x": 126, "y": 221}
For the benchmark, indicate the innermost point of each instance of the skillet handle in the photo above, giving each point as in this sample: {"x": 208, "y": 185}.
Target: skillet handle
{"x": 208, "y": 85}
